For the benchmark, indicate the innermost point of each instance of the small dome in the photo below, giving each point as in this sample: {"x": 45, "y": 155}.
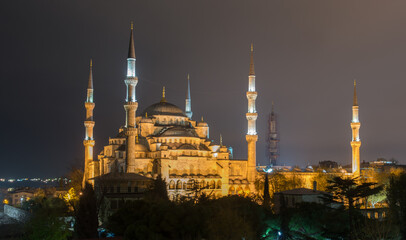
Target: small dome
{"x": 146, "y": 120}
{"x": 163, "y": 108}
{"x": 202, "y": 124}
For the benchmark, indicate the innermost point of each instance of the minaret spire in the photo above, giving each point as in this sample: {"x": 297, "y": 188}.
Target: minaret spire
{"x": 131, "y": 48}
{"x": 221, "y": 140}
{"x": 91, "y": 169}
{"x": 188, "y": 101}
{"x": 90, "y": 83}
{"x": 356, "y": 141}
{"x": 251, "y": 116}
{"x": 355, "y": 94}
{"x": 252, "y": 69}
{"x": 131, "y": 104}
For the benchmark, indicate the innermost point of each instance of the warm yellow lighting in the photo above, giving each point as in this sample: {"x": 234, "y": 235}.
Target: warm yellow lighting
{"x": 70, "y": 195}
{"x": 5, "y": 201}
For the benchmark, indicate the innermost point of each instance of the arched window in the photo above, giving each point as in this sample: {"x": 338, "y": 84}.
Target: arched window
{"x": 178, "y": 184}
{"x": 202, "y": 184}
{"x": 231, "y": 190}
{"x": 190, "y": 184}
{"x": 184, "y": 185}
{"x": 218, "y": 185}
{"x": 212, "y": 184}
{"x": 172, "y": 184}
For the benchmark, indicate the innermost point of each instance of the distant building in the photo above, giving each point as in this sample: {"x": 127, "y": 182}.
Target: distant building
{"x": 297, "y": 196}
{"x": 21, "y": 195}
{"x": 327, "y": 164}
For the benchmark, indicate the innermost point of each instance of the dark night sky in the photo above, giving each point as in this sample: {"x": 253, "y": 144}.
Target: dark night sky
{"x": 307, "y": 54}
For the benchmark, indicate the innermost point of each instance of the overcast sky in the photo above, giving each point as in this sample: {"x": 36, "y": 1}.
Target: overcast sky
{"x": 307, "y": 54}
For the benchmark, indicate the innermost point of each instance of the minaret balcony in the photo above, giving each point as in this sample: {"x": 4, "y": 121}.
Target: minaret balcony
{"x": 89, "y": 142}
{"x": 251, "y": 116}
{"x": 89, "y": 124}
{"x": 89, "y": 105}
{"x": 252, "y": 95}
{"x": 131, "y": 81}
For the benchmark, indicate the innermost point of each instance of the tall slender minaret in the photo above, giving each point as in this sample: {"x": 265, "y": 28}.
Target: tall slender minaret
{"x": 273, "y": 138}
{"x": 131, "y": 103}
{"x": 188, "y": 104}
{"x": 252, "y": 116}
{"x": 356, "y": 141}
{"x": 89, "y": 142}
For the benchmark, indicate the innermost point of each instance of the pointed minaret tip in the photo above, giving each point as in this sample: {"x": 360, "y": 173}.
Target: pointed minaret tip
{"x": 202, "y": 119}
{"x": 355, "y": 103}
{"x": 221, "y": 140}
{"x": 188, "y": 87}
{"x": 131, "y": 49}
{"x": 273, "y": 106}
{"x": 252, "y": 70}
{"x": 90, "y": 83}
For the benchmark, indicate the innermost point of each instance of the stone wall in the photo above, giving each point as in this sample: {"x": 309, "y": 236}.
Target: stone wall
{"x": 16, "y": 213}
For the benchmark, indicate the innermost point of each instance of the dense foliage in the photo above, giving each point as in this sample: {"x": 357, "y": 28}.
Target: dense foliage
{"x": 47, "y": 220}
{"x": 225, "y": 218}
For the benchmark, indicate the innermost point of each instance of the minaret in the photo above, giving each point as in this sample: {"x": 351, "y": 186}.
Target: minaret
{"x": 273, "y": 138}
{"x": 356, "y": 141}
{"x": 89, "y": 142}
{"x": 131, "y": 103}
{"x": 252, "y": 115}
{"x": 188, "y": 104}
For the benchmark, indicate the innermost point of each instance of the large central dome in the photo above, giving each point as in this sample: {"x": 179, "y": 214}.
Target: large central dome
{"x": 163, "y": 108}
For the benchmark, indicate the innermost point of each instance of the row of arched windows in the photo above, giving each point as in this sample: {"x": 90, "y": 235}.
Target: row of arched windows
{"x": 192, "y": 184}
{"x": 238, "y": 190}
{"x": 170, "y": 121}
{"x": 178, "y": 140}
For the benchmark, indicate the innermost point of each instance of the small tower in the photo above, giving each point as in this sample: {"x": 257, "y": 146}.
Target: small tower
{"x": 251, "y": 116}
{"x": 131, "y": 103}
{"x": 356, "y": 141}
{"x": 273, "y": 147}
{"x": 88, "y": 142}
{"x": 188, "y": 101}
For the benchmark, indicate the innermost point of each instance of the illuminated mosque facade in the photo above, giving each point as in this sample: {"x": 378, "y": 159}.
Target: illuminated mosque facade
{"x": 163, "y": 140}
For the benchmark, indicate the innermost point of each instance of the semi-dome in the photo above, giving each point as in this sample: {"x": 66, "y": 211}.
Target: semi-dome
{"x": 163, "y": 108}
{"x": 179, "y": 132}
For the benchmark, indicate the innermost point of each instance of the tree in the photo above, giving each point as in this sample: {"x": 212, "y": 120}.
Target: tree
{"x": 75, "y": 176}
{"x": 267, "y": 198}
{"x": 86, "y": 214}
{"x": 396, "y": 194}
{"x": 349, "y": 192}
{"x": 224, "y": 218}
{"x": 158, "y": 190}
{"x": 71, "y": 198}
{"x": 47, "y": 220}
